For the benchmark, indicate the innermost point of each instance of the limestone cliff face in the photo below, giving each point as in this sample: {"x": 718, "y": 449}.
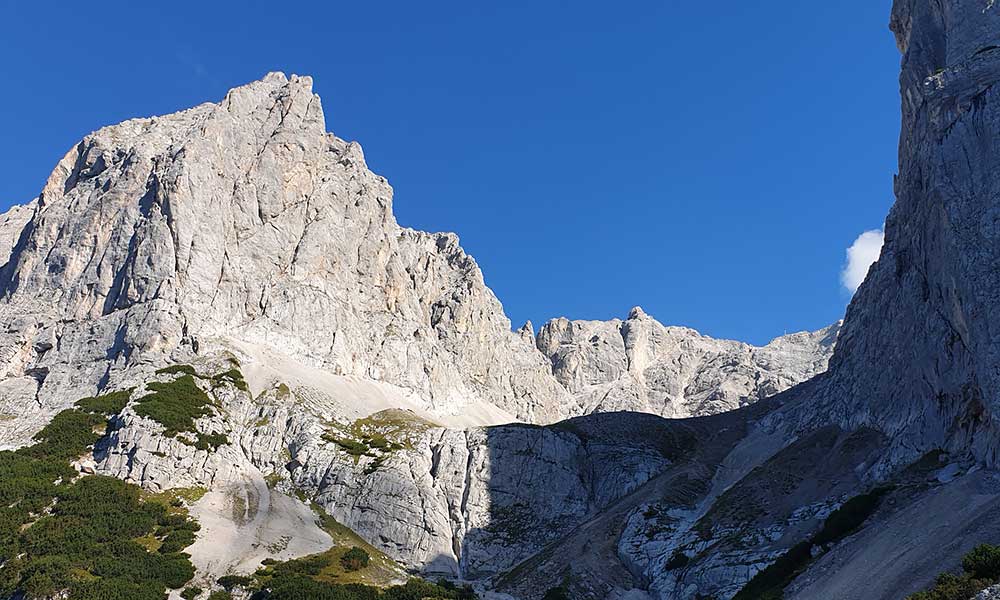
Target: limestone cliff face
{"x": 12, "y": 224}
{"x": 461, "y": 503}
{"x": 246, "y": 220}
{"x": 918, "y": 353}
{"x": 640, "y": 365}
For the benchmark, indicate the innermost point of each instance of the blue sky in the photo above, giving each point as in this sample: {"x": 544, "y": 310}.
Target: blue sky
{"x": 711, "y": 162}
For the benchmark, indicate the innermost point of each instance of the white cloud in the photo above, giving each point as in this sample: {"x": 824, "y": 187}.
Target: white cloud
{"x": 860, "y": 256}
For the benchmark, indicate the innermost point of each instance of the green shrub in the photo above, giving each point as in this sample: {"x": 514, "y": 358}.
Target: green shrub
{"x": 67, "y": 436}
{"x": 176, "y": 541}
{"x": 851, "y": 515}
{"x": 220, "y": 595}
{"x": 983, "y": 562}
{"x": 556, "y": 593}
{"x": 296, "y": 580}
{"x": 190, "y": 593}
{"x": 769, "y": 583}
{"x": 352, "y": 447}
{"x": 678, "y": 560}
{"x": 232, "y": 376}
{"x": 177, "y": 369}
{"x": 773, "y": 579}
{"x": 210, "y": 441}
{"x": 948, "y": 586}
{"x": 106, "y": 404}
{"x": 175, "y": 404}
{"x": 60, "y": 534}
{"x": 234, "y": 581}
{"x": 355, "y": 559}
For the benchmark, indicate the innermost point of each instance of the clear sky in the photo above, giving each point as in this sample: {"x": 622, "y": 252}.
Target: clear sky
{"x": 709, "y": 161}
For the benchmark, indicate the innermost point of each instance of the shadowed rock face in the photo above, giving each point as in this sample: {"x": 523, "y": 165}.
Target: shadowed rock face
{"x": 917, "y": 356}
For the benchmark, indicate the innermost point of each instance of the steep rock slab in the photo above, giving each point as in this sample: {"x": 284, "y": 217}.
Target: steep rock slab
{"x": 12, "y": 224}
{"x": 917, "y": 356}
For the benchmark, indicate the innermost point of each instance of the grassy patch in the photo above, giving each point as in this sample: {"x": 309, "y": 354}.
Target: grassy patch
{"x": 272, "y": 480}
{"x": 175, "y": 500}
{"x": 327, "y": 576}
{"x": 380, "y": 570}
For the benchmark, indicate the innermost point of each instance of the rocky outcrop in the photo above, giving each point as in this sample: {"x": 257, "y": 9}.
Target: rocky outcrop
{"x": 640, "y": 365}
{"x": 12, "y": 224}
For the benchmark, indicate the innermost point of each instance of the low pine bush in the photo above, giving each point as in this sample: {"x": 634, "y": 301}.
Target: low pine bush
{"x": 355, "y": 559}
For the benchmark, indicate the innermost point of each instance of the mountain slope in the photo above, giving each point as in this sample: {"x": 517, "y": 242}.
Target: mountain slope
{"x": 317, "y": 349}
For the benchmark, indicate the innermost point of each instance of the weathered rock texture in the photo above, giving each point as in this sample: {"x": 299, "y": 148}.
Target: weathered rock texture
{"x": 246, "y": 219}
{"x": 12, "y": 224}
{"x": 244, "y": 227}
{"x": 918, "y": 353}
{"x": 640, "y": 365}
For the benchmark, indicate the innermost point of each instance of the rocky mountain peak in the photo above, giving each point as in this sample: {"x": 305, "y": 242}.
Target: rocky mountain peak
{"x": 244, "y": 224}
{"x": 636, "y": 313}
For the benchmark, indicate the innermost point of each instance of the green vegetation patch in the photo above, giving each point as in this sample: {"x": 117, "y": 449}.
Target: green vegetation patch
{"x": 355, "y": 559}
{"x": 209, "y": 441}
{"x": 177, "y": 370}
{"x": 68, "y": 435}
{"x": 106, "y": 404}
{"x": 190, "y": 593}
{"x": 769, "y": 584}
{"x": 83, "y": 538}
{"x": 301, "y": 578}
{"x": 234, "y": 377}
{"x": 556, "y": 593}
{"x": 175, "y": 404}
{"x": 231, "y": 582}
{"x": 980, "y": 570}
